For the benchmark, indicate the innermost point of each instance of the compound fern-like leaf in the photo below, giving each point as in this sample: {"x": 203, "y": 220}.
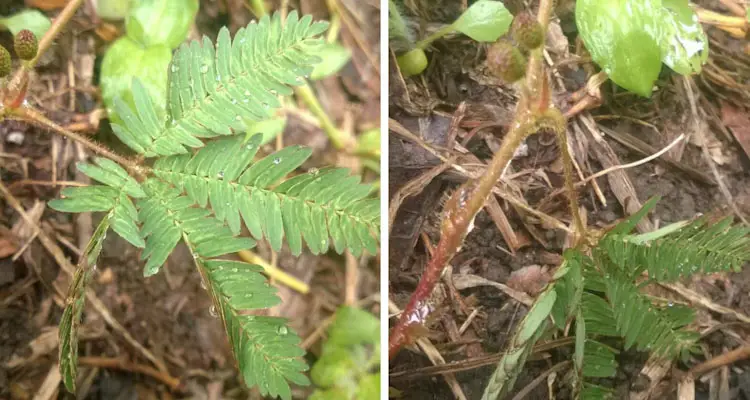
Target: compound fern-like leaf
{"x": 114, "y": 197}
{"x": 645, "y": 326}
{"x": 71, "y": 318}
{"x": 167, "y": 216}
{"x": 698, "y": 248}
{"x": 266, "y": 350}
{"x": 314, "y": 206}
{"x": 214, "y": 90}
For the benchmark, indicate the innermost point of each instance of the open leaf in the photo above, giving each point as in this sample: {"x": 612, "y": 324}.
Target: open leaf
{"x": 161, "y": 22}
{"x": 484, "y": 21}
{"x": 685, "y": 45}
{"x": 334, "y": 56}
{"x": 622, "y": 37}
{"x": 33, "y": 20}
{"x": 127, "y": 59}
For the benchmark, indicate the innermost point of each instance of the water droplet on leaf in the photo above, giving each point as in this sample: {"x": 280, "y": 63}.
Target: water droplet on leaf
{"x": 283, "y": 330}
{"x": 277, "y": 161}
{"x": 213, "y": 312}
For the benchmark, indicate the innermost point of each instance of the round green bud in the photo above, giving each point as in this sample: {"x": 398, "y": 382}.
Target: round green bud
{"x": 4, "y": 62}
{"x": 506, "y": 61}
{"x": 413, "y": 62}
{"x": 527, "y": 31}
{"x": 25, "y": 44}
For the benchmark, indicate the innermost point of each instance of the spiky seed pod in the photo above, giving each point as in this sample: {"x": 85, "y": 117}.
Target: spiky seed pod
{"x": 25, "y": 44}
{"x": 4, "y": 62}
{"x": 527, "y": 31}
{"x": 506, "y": 61}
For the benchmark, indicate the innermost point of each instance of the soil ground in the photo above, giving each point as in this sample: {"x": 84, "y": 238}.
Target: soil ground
{"x": 456, "y": 87}
{"x": 169, "y": 313}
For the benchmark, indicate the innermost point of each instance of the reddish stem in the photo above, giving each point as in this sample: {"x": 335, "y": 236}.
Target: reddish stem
{"x": 418, "y": 309}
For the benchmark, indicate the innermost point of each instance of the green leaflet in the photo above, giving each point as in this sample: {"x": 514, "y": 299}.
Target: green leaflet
{"x": 214, "y": 90}
{"x": 113, "y": 197}
{"x": 630, "y": 39}
{"x": 267, "y": 351}
{"x": 75, "y": 301}
{"x": 643, "y": 325}
{"x": 700, "y": 247}
{"x": 167, "y": 217}
{"x": 315, "y": 206}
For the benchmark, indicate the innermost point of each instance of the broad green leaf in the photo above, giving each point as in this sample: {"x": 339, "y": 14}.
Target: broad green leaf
{"x": 334, "y": 367}
{"x": 368, "y": 143}
{"x": 354, "y": 326}
{"x": 623, "y": 37}
{"x": 369, "y": 388}
{"x": 685, "y": 45}
{"x": 161, "y": 22}
{"x": 334, "y": 57}
{"x": 127, "y": 59}
{"x": 33, "y": 20}
{"x": 71, "y": 318}
{"x": 484, "y": 21}
{"x": 113, "y": 9}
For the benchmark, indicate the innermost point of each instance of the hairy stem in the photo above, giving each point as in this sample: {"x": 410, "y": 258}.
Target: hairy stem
{"x": 62, "y": 19}
{"x": 458, "y": 220}
{"x": 34, "y": 117}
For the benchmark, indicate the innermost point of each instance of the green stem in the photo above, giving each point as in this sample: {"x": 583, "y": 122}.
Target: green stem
{"x": 424, "y": 43}
{"x": 259, "y": 7}
{"x": 340, "y": 139}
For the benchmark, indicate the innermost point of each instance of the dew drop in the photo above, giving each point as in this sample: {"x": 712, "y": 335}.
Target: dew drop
{"x": 220, "y": 175}
{"x": 273, "y": 92}
{"x": 670, "y": 304}
{"x": 248, "y": 295}
{"x": 174, "y": 68}
{"x": 218, "y": 77}
{"x": 277, "y": 161}
{"x": 247, "y": 93}
{"x": 203, "y": 285}
{"x": 204, "y": 68}
{"x": 283, "y": 330}
{"x": 250, "y": 317}
{"x": 234, "y": 101}
{"x": 213, "y": 312}
{"x": 93, "y": 267}
{"x": 238, "y": 118}
{"x": 266, "y": 106}
{"x": 235, "y": 270}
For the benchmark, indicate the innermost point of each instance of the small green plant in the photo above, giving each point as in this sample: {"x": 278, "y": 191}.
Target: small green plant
{"x": 197, "y": 180}
{"x": 597, "y": 290}
{"x": 630, "y": 39}
{"x": 483, "y": 21}
{"x": 348, "y": 365}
